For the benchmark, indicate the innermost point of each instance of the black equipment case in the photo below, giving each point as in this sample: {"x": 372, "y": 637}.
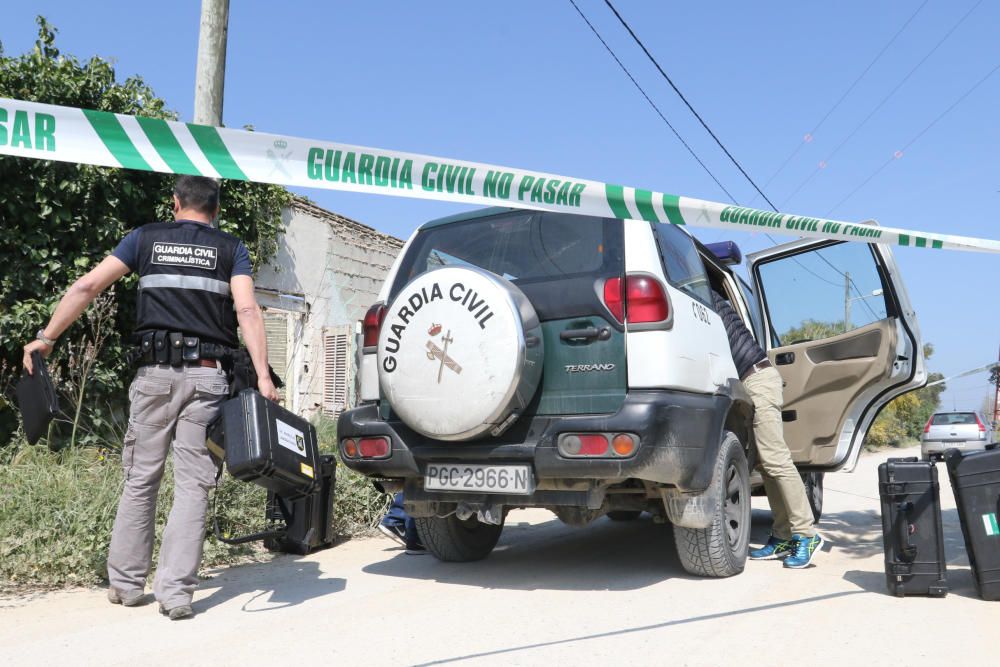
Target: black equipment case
{"x": 911, "y": 528}
{"x": 263, "y": 443}
{"x": 310, "y": 519}
{"x": 975, "y": 478}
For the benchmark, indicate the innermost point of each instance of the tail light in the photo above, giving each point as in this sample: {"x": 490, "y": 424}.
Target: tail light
{"x": 647, "y": 302}
{"x": 599, "y": 445}
{"x": 372, "y": 324}
{"x": 982, "y": 426}
{"x": 367, "y": 448}
{"x": 927, "y": 426}
{"x": 642, "y": 299}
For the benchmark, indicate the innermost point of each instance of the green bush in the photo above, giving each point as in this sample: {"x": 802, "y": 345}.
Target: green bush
{"x": 60, "y": 219}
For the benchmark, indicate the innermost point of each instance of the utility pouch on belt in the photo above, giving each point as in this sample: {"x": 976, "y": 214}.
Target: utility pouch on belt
{"x": 191, "y": 351}
{"x": 161, "y": 354}
{"x": 146, "y": 347}
{"x": 176, "y": 351}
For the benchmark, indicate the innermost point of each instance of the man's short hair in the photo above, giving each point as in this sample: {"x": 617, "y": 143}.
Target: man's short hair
{"x": 198, "y": 192}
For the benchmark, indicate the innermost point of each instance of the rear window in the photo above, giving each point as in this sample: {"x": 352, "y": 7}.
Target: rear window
{"x": 522, "y": 246}
{"x": 950, "y": 418}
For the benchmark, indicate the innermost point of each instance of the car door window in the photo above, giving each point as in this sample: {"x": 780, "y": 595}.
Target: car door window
{"x": 754, "y": 308}
{"x": 822, "y": 292}
{"x": 682, "y": 262}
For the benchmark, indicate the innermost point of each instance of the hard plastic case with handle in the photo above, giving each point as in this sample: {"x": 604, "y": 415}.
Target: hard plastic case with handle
{"x": 911, "y": 528}
{"x": 266, "y": 444}
{"x": 975, "y": 479}
{"x": 310, "y": 519}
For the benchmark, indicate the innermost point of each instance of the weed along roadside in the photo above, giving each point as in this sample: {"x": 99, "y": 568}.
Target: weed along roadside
{"x": 57, "y": 508}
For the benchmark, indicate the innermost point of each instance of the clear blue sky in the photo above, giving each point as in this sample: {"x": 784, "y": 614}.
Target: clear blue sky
{"x": 527, "y": 84}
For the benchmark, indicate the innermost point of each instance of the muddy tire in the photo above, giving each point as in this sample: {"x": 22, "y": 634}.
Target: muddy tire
{"x": 454, "y": 540}
{"x": 721, "y": 549}
{"x": 624, "y": 515}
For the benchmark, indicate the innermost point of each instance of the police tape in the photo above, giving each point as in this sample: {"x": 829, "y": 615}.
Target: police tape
{"x": 84, "y": 136}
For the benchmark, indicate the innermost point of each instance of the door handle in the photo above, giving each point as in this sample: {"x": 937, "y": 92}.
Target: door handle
{"x": 784, "y": 359}
{"x": 588, "y": 333}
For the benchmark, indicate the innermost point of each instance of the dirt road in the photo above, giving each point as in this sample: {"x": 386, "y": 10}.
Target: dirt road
{"x": 610, "y": 593}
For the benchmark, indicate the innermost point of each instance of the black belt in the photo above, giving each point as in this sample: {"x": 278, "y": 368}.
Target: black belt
{"x": 759, "y": 366}
{"x": 176, "y": 349}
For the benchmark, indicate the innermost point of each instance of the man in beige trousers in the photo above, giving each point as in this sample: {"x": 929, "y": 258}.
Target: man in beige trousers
{"x": 793, "y": 535}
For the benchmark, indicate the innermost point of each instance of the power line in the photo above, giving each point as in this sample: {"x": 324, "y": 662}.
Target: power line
{"x": 823, "y": 163}
{"x": 809, "y": 135}
{"x": 899, "y": 153}
{"x": 651, "y": 103}
{"x": 707, "y": 128}
{"x": 688, "y": 104}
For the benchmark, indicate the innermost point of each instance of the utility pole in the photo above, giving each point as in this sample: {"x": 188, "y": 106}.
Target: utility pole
{"x": 847, "y": 301}
{"x": 210, "y": 76}
{"x": 996, "y": 395}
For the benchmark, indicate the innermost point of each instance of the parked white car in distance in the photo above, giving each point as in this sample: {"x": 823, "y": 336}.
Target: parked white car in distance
{"x": 966, "y": 431}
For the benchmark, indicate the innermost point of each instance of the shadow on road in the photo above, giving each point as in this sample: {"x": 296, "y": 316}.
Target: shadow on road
{"x": 603, "y": 556}
{"x": 644, "y": 628}
{"x": 286, "y": 581}
{"x": 960, "y": 582}
{"x": 859, "y": 535}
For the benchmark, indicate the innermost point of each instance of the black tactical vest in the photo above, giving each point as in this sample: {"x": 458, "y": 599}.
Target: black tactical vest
{"x": 184, "y": 270}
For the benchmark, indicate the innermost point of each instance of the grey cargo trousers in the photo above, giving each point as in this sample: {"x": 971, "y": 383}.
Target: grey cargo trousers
{"x": 168, "y": 405}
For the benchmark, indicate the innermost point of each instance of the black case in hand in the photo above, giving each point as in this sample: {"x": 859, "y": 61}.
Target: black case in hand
{"x": 267, "y": 445}
{"x": 37, "y": 400}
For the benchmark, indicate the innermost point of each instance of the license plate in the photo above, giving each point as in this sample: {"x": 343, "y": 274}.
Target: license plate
{"x": 515, "y": 479}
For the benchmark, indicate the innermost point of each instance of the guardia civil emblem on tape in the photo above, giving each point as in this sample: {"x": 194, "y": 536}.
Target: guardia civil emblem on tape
{"x": 50, "y": 132}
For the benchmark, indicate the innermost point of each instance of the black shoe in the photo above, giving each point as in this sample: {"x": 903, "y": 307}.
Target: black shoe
{"x": 415, "y": 549}
{"x": 394, "y": 533}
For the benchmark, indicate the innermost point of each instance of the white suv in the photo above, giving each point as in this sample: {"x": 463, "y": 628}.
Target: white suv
{"x": 534, "y": 359}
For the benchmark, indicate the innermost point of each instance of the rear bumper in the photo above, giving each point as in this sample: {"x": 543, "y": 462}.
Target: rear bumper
{"x": 679, "y": 435}
{"x": 937, "y": 448}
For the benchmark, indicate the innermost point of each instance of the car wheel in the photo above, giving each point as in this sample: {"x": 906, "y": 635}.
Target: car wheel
{"x": 721, "y": 549}
{"x": 624, "y": 515}
{"x": 456, "y": 540}
{"x": 813, "y": 482}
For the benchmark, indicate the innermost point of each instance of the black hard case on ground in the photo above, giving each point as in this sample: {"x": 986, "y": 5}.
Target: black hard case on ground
{"x": 911, "y": 528}
{"x": 310, "y": 519}
{"x": 267, "y": 445}
{"x": 975, "y": 478}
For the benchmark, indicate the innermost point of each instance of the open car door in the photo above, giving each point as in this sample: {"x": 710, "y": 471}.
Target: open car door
{"x": 839, "y": 327}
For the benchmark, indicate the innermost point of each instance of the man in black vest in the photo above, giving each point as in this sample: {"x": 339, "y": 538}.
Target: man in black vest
{"x": 195, "y": 288}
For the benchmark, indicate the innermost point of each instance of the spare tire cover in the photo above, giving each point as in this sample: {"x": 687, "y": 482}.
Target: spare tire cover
{"x": 460, "y": 353}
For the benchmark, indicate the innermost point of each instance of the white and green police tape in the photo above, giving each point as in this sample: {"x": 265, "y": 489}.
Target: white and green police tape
{"x": 50, "y": 132}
